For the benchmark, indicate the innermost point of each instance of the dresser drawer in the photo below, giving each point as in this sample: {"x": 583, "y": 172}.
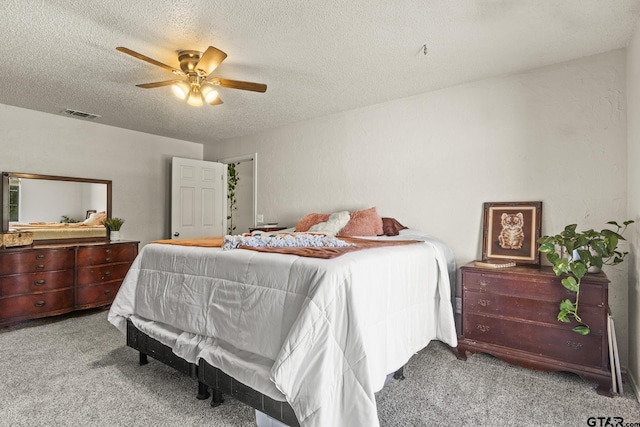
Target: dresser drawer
{"x": 559, "y": 344}
{"x": 36, "y": 260}
{"x": 36, "y": 305}
{"x": 106, "y": 254}
{"x": 530, "y": 309}
{"x": 102, "y": 273}
{"x": 543, "y": 287}
{"x": 97, "y": 295}
{"x": 35, "y": 282}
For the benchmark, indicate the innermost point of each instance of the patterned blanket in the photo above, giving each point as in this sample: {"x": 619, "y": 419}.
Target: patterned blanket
{"x": 314, "y": 250}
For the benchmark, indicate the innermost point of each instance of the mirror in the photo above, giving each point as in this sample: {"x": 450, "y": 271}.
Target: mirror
{"x": 55, "y": 207}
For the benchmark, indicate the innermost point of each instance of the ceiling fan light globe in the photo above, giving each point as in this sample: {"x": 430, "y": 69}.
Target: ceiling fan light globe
{"x": 209, "y": 94}
{"x": 195, "y": 98}
{"x": 181, "y": 90}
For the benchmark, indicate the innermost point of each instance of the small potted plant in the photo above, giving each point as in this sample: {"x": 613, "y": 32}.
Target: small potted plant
{"x": 574, "y": 254}
{"x": 114, "y": 224}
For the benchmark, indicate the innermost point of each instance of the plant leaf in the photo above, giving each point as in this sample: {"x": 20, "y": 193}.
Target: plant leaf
{"x": 547, "y": 247}
{"x": 562, "y": 316}
{"x": 582, "y": 329}
{"x": 562, "y": 266}
{"x": 553, "y": 257}
{"x": 579, "y": 269}
{"x": 570, "y": 283}
{"x": 567, "y": 306}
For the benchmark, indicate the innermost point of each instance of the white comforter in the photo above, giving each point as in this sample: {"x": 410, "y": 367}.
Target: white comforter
{"x": 322, "y": 334}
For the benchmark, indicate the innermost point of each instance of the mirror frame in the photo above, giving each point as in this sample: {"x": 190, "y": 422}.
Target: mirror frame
{"x": 4, "y": 215}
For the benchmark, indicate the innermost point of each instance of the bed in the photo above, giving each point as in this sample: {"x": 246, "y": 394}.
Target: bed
{"x": 91, "y": 227}
{"x": 50, "y": 231}
{"x": 319, "y": 336}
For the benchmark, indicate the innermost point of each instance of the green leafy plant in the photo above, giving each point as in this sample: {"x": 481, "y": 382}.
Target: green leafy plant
{"x": 232, "y": 181}
{"x": 113, "y": 223}
{"x": 574, "y": 254}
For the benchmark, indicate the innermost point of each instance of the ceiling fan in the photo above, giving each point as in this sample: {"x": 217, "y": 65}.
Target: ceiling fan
{"x": 196, "y": 84}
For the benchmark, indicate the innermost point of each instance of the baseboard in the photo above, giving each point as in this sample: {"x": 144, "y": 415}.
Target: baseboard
{"x": 631, "y": 383}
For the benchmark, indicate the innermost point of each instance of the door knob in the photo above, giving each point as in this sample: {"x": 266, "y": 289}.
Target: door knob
{"x": 176, "y": 234}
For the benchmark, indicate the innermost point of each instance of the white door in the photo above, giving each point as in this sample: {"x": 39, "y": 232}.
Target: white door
{"x": 198, "y": 198}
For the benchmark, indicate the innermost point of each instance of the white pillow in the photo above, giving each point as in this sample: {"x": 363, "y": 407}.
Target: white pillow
{"x": 334, "y": 224}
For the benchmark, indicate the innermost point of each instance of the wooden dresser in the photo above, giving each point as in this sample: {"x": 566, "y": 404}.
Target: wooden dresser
{"x": 511, "y": 313}
{"x": 47, "y": 280}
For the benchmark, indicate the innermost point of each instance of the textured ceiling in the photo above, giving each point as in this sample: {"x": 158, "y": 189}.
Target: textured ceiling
{"x": 317, "y": 57}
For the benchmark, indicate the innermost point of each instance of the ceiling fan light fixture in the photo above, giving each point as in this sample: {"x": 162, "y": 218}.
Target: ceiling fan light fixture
{"x": 195, "y": 97}
{"x": 196, "y": 67}
{"x": 209, "y": 93}
{"x": 181, "y": 90}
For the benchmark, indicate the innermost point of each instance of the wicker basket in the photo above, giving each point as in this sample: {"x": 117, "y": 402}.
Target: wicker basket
{"x": 16, "y": 238}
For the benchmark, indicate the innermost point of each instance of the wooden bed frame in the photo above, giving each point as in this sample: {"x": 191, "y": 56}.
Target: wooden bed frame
{"x": 209, "y": 376}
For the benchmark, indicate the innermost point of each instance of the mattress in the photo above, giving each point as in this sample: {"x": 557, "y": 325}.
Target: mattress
{"x": 320, "y": 334}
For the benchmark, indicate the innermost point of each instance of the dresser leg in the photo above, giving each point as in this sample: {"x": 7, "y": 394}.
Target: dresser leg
{"x": 604, "y": 389}
{"x": 461, "y": 353}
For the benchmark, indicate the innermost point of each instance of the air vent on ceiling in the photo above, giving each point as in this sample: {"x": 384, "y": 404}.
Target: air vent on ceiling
{"x": 80, "y": 114}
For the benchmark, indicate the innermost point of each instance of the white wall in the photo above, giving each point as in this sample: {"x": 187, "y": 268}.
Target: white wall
{"x": 137, "y": 163}
{"x": 555, "y": 134}
{"x": 633, "y": 122}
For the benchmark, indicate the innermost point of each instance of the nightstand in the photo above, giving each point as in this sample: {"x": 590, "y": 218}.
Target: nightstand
{"x": 511, "y": 314}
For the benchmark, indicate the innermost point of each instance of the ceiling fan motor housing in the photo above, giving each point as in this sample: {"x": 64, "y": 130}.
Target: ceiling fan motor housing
{"x": 188, "y": 61}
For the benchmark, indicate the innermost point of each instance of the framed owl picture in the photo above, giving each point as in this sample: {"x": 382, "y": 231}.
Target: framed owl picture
{"x": 511, "y": 231}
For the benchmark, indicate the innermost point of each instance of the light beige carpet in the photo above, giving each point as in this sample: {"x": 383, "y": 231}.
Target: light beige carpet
{"x": 77, "y": 371}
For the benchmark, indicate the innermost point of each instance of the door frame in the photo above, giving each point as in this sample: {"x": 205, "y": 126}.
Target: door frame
{"x": 245, "y": 158}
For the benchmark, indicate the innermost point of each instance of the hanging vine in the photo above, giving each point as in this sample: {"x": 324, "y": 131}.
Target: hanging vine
{"x": 232, "y": 181}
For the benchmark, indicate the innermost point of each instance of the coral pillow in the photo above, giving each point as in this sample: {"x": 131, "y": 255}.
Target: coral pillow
{"x": 366, "y": 222}
{"x": 391, "y": 227}
{"x": 309, "y": 220}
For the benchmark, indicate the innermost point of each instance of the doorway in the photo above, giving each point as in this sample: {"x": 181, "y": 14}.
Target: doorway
{"x": 245, "y": 214}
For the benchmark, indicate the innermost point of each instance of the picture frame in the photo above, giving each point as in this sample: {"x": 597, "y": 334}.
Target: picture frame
{"x": 511, "y": 231}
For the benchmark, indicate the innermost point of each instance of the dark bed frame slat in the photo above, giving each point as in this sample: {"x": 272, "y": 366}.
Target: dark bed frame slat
{"x": 226, "y": 384}
{"x": 209, "y": 376}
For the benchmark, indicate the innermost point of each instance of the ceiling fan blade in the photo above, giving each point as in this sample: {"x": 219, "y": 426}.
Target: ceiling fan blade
{"x": 210, "y": 60}
{"x": 149, "y": 60}
{"x": 159, "y": 84}
{"x": 237, "y": 84}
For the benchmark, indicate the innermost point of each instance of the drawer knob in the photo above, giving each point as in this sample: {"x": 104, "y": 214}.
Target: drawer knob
{"x": 484, "y": 302}
{"x": 108, "y": 251}
{"x": 483, "y": 328}
{"x": 40, "y": 256}
{"x": 107, "y": 291}
{"x": 39, "y": 303}
{"x": 574, "y": 345}
{"x": 484, "y": 283}
{"x": 40, "y": 267}
{"x": 107, "y": 260}
{"x": 39, "y": 282}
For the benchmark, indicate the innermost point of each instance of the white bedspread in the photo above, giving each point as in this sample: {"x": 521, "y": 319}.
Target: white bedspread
{"x": 321, "y": 333}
